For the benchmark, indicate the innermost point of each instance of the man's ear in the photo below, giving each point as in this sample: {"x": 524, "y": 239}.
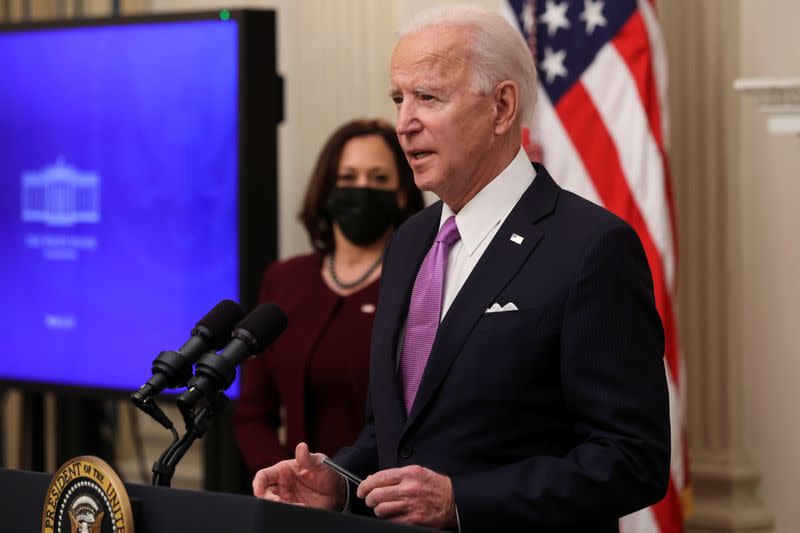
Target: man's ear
{"x": 506, "y": 102}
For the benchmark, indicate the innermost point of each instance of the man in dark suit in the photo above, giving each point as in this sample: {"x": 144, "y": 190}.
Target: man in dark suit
{"x": 517, "y": 378}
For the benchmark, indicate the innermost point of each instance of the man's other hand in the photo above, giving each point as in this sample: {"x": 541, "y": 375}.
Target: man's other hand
{"x": 411, "y": 495}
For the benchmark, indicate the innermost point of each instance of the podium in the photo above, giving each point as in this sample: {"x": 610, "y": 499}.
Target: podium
{"x": 162, "y": 510}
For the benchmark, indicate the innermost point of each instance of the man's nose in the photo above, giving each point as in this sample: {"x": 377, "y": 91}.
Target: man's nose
{"x": 407, "y": 119}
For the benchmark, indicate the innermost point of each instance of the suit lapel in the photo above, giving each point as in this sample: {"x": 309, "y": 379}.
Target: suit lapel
{"x": 498, "y": 265}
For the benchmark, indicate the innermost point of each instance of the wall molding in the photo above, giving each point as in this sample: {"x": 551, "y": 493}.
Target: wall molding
{"x": 778, "y": 98}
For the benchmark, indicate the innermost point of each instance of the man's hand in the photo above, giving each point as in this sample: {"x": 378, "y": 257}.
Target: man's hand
{"x": 411, "y": 495}
{"x": 303, "y": 480}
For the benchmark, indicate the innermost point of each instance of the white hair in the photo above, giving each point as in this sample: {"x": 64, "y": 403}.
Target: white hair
{"x": 499, "y": 51}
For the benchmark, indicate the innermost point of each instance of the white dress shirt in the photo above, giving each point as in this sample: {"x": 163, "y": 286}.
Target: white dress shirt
{"x": 480, "y": 219}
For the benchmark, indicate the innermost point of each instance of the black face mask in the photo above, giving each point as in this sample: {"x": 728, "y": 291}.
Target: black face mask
{"x": 362, "y": 213}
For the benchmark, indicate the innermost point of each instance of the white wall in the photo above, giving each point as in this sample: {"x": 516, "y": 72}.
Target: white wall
{"x": 770, "y": 202}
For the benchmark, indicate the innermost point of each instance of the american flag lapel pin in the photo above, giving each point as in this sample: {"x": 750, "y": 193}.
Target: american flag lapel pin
{"x": 517, "y": 239}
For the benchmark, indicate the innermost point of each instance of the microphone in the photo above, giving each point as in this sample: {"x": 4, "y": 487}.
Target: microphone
{"x": 173, "y": 369}
{"x": 216, "y": 372}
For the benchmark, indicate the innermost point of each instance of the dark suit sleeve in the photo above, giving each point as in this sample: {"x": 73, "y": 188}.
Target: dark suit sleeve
{"x": 614, "y": 384}
{"x": 362, "y": 457}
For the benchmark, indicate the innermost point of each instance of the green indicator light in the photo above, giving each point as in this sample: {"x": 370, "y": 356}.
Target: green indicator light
{"x": 224, "y": 14}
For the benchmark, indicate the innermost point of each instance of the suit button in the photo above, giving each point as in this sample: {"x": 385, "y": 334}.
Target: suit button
{"x": 406, "y": 451}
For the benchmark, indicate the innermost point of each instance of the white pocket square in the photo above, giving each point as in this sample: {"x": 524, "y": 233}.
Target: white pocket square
{"x": 497, "y": 308}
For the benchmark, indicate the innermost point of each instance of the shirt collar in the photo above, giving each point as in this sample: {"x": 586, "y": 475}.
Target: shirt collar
{"x": 492, "y": 203}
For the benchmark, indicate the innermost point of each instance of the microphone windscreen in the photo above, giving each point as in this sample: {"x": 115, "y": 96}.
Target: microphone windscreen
{"x": 264, "y": 324}
{"x": 220, "y": 321}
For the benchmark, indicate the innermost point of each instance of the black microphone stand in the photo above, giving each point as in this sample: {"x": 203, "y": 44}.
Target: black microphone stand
{"x": 149, "y": 406}
{"x": 197, "y": 424}
{"x": 199, "y": 405}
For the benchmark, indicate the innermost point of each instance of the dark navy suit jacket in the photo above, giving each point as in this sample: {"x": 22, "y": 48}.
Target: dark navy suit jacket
{"x": 553, "y": 417}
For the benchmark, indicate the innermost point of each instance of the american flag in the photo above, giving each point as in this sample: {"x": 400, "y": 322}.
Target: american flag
{"x": 600, "y": 129}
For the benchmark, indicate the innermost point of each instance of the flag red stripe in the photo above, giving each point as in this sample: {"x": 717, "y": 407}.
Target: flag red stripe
{"x": 595, "y": 146}
{"x": 667, "y": 512}
{"x": 633, "y": 45}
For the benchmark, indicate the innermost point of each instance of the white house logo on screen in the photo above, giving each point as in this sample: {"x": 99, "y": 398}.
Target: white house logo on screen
{"x": 61, "y": 195}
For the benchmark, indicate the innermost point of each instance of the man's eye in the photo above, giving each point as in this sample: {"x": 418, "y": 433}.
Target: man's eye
{"x": 397, "y": 100}
{"x": 426, "y": 97}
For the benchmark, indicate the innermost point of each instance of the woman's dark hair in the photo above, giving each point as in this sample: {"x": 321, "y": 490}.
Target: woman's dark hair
{"x": 314, "y": 215}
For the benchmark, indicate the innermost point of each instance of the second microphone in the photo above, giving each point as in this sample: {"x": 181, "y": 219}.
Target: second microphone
{"x": 216, "y": 372}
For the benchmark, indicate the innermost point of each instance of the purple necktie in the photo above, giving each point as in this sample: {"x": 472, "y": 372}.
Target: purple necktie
{"x": 424, "y": 311}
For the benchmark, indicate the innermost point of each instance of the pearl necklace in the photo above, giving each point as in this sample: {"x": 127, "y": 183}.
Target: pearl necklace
{"x": 355, "y": 283}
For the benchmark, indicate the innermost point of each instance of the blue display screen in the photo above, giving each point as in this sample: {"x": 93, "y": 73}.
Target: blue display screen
{"x": 118, "y": 214}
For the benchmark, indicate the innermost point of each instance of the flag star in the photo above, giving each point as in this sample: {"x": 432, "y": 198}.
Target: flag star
{"x": 553, "y": 63}
{"x": 527, "y": 18}
{"x": 593, "y": 15}
{"x": 555, "y": 16}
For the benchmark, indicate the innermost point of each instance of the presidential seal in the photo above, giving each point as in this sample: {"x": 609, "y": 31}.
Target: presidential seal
{"x": 86, "y": 496}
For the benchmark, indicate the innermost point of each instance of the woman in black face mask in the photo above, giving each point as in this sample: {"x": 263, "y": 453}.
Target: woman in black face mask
{"x": 313, "y": 380}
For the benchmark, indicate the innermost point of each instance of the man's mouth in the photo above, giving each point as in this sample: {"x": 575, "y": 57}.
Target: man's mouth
{"x": 417, "y": 155}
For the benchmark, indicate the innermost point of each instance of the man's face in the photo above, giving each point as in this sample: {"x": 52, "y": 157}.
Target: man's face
{"x": 444, "y": 125}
